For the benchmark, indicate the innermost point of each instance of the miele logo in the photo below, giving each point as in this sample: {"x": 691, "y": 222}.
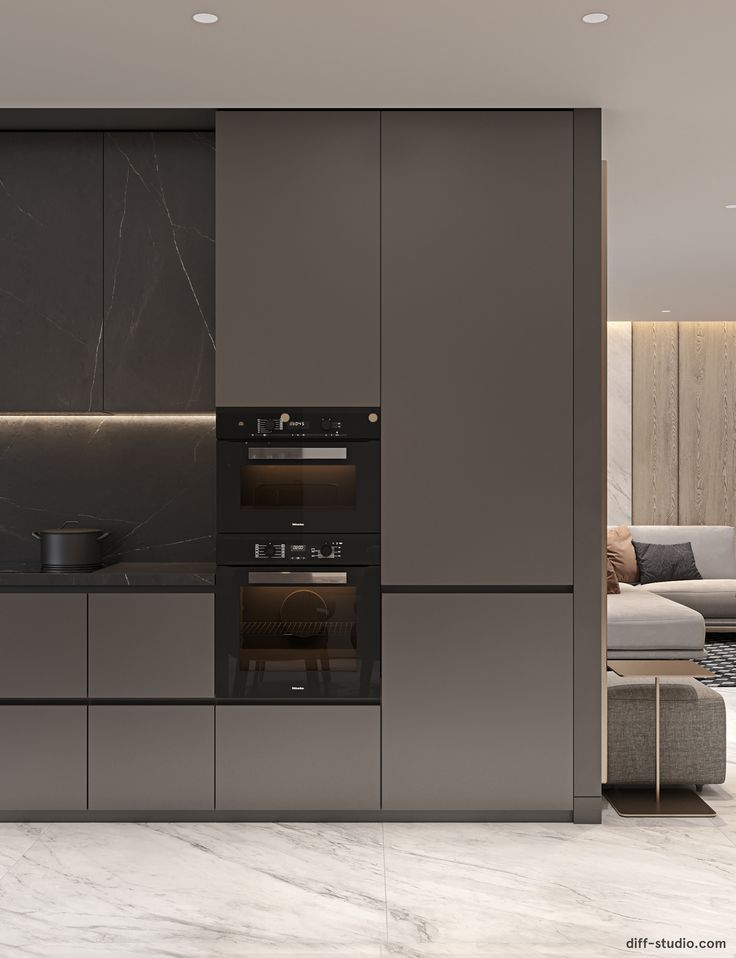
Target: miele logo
{"x": 297, "y": 523}
{"x": 297, "y": 688}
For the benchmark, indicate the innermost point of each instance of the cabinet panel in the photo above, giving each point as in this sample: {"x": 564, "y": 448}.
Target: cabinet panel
{"x": 477, "y": 355}
{"x": 43, "y": 757}
{"x": 298, "y": 258}
{"x": 159, "y": 271}
{"x": 50, "y": 271}
{"x": 290, "y": 758}
{"x": 153, "y": 757}
{"x": 477, "y": 702}
{"x": 43, "y": 646}
{"x": 151, "y": 645}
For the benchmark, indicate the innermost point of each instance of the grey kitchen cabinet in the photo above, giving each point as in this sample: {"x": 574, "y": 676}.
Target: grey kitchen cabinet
{"x": 50, "y": 271}
{"x": 298, "y": 262}
{"x": 159, "y": 266}
{"x": 158, "y": 645}
{"x": 286, "y": 758}
{"x": 155, "y": 757}
{"x": 43, "y": 645}
{"x": 477, "y": 702}
{"x": 43, "y": 757}
{"x": 477, "y": 350}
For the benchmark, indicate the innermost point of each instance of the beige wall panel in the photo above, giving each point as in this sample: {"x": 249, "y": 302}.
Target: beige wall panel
{"x": 655, "y": 428}
{"x": 707, "y": 423}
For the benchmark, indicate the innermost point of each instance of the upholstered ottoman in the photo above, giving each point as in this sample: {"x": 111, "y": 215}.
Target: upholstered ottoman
{"x": 693, "y": 732}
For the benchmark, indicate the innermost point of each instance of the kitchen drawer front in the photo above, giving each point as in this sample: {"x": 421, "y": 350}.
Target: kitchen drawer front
{"x": 43, "y": 757}
{"x": 281, "y": 758}
{"x": 151, "y": 645}
{"x": 151, "y": 757}
{"x": 43, "y": 645}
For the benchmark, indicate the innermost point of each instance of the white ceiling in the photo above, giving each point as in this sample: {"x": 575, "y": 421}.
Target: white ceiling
{"x": 664, "y": 71}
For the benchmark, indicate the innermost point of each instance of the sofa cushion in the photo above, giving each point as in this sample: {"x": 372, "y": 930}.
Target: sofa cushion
{"x": 713, "y": 598}
{"x": 714, "y": 547}
{"x": 640, "y": 621}
{"x": 612, "y": 586}
{"x": 661, "y": 562}
{"x": 620, "y": 553}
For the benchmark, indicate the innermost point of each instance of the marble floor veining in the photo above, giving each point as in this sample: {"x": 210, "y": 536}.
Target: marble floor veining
{"x": 437, "y": 890}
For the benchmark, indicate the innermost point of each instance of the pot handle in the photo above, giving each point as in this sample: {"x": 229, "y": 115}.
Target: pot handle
{"x": 36, "y": 535}
{"x": 70, "y": 522}
{"x": 102, "y": 536}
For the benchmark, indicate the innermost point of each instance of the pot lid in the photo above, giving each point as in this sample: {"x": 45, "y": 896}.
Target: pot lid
{"x": 70, "y": 530}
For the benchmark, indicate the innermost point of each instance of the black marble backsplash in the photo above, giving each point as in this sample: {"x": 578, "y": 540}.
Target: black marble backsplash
{"x": 150, "y": 480}
{"x": 159, "y": 264}
{"x": 107, "y": 271}
{"x": 51, "y": 271}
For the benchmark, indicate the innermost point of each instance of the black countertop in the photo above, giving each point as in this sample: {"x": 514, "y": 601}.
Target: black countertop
{"x": 193, "y": 575}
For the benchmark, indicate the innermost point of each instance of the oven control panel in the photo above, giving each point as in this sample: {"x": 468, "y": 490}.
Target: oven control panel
{"x": 296, "y": 424}
{"x": 299, "y": 551}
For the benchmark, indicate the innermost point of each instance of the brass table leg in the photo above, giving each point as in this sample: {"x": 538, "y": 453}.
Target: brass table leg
{"x": 643, "y": 802}
{"x": 656, "y": 741}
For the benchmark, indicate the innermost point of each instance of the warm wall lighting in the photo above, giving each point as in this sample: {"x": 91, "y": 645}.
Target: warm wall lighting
{"x": 595, "y": 18}
{"x": 731, "y": 206}
{"x": 205, "y": 18}
{"x": 112, "y": 417}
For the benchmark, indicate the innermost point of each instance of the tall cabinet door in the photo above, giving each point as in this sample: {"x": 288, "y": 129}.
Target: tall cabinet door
{"x": 477, "y": 702}
{"x": 298, "y": 262}
{"x": 477, "y": 358}
{"x": 50, "y": 271}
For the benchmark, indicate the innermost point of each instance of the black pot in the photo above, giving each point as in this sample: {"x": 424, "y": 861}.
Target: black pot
{"x": 71, "y": 548}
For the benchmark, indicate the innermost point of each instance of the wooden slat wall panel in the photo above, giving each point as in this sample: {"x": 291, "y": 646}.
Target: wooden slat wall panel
{"x": 708, "y": 423}
{"x": 655, "y": 427}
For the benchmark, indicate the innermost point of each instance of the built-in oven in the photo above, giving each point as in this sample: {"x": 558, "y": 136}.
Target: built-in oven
{"x": 288, "y": 470}
{"x": 298, "y": 634}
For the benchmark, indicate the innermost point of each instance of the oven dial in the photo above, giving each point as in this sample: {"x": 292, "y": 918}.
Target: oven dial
{"x": 269, "y": 550}
{"x": 325, "y": 550}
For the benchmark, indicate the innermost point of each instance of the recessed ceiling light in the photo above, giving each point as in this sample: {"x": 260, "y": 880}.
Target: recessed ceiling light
{"x": 731, "y": 206}
{"x": 595, "y": 18}
{"x": 205, "y": 18}
{"x": 665, "y": 310}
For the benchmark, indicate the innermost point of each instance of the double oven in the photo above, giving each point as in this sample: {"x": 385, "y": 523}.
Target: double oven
{"x": 298, "y": 581}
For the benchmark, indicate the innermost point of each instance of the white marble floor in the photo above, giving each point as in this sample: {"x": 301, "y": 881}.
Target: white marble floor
{"x": 370, "y": 890}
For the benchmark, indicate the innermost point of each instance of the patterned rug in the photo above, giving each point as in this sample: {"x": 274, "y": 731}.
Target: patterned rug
{"x": 720, "y": 657}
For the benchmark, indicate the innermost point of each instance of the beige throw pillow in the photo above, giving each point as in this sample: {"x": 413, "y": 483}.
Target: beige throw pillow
{"x": 612, "y": 586}
{"x": 620, "y": 552}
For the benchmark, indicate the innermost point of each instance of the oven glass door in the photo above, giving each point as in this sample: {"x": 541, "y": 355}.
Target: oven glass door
{"x": 270, "y": 487}
{"x": 298, "y": 636}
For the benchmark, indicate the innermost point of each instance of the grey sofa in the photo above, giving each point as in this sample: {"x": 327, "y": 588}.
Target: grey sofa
{"x": 693, "y": 730}
{"x": 670, "y": 619}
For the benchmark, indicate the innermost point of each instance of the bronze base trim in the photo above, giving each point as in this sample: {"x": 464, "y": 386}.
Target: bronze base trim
{"x": 673, "y": 803}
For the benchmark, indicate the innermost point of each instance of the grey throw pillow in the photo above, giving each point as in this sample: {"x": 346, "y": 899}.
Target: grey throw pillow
{"x": 665, "y": 563}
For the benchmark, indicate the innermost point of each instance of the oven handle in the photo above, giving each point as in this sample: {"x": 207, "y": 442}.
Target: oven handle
{"x": 297, "y": 578}
{"x": 297, "y": 452}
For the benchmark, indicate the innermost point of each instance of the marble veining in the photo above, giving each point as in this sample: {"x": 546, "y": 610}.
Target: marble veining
{"x": 50, "y": 270}
{"x": 192, "y": 574}
{"x": 429, "y": 890}
{"x": 159, "y": 320}
{"x": 619, "y": 423}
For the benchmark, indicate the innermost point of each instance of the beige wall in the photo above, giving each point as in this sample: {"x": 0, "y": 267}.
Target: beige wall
{"x": 684, "y": 423}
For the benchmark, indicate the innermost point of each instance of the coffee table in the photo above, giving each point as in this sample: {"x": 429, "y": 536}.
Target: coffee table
{"x": 652, "y": 802}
